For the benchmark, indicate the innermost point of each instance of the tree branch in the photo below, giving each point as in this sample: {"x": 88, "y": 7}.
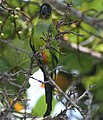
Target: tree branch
{"x": 82, "y": 49}
{"x": 73, "y": 104}
{"x": 93, "y": 21}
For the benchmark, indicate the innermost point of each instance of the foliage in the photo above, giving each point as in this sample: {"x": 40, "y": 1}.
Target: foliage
{"x": 80, "y": 29}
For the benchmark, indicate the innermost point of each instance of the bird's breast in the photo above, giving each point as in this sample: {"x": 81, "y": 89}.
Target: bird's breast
{"x": 44, "y": 57}
{"x": 39, "y": 35}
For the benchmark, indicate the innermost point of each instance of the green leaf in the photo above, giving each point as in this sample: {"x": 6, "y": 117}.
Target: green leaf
{"x": 76, "y": 61}
{"x": 40, "y": 107}
{"x": 3, "y": 64}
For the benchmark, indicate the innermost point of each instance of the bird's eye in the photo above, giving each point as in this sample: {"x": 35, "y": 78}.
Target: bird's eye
{"x": 44, "y": 8}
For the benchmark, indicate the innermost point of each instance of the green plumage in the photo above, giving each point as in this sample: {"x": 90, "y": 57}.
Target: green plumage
{"x": 43, "y": 42}
{"x": 39, "y": 40}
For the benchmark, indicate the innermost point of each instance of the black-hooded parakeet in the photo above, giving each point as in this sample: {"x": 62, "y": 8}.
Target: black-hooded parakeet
{"x": 45, "y": 46}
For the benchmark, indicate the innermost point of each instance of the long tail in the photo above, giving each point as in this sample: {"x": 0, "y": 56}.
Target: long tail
{"x": 48, "y": 95}
{"x": 48, "y": 92}
{"x": 48, "y": 87}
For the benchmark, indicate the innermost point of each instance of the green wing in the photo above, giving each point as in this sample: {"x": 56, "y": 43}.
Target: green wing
{"x": 55, "y": 48}
{"x": 32, "y": 40}
{"x": 37, "y": 37}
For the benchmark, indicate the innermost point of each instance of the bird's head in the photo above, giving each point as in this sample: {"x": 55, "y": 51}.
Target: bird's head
{"x": 45, "y": 11}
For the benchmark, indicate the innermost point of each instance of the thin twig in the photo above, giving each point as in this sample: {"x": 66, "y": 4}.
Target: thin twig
{"x": 39, "y": 80}
{"x": 85, "y": 93}
{"x": 11, "y": 45}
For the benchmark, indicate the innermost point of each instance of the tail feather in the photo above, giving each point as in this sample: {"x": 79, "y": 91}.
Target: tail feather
{"x": 48, "y": 87}
{"x": 48, "y": 92}
{"x": 48, "y": 95}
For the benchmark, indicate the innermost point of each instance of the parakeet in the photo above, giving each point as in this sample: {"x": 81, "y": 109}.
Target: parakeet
{"x": 45, "y": 46}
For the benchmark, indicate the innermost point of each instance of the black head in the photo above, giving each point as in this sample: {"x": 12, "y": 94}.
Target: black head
{"x": 45, "y": 11}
